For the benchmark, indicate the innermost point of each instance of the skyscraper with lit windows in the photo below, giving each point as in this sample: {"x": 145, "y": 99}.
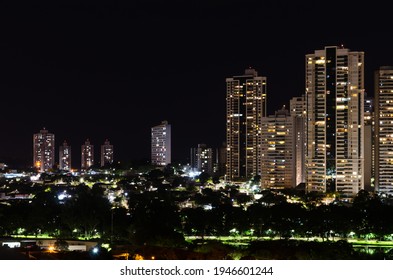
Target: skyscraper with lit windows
{"x": 202, "y": 159}
{"x": 65, "y": 157}
{"x": 43, "y": 150}
{"x": 161, "y": 144}
{"x": 384, "y": 129}
{"x": 246, "y": 105}
{"x": 335, "y": 120}
{"x": 106, "y": 153}
{"x": 87, "y": 150}
{"x": 278, "y": 151}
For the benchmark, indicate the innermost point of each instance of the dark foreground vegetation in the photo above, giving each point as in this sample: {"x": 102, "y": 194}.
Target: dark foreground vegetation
{"x": 213, "y": 250}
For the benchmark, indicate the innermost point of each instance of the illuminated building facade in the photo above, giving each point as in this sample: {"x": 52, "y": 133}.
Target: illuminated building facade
{"x": 43, "y": 150}
{"x": 65, "y": 157}
{"x": 87, "y": 155}
{"x": 202, "y": 159}
{"x": 335, "y": 116}
{"x": 161, "y": 144}
{"x": 246, "y": 106}
{"x": 384, "y": 129}
{"x": 278, "y": 168}
{"x": 106, "y": 153}
{"x": 298, "y": 112}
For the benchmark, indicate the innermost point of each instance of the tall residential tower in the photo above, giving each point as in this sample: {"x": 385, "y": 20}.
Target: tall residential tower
{"x": 298, "y": 113}
{"x": 278, "y": 151}
{"x": 335, "y": 112}
{"x": 161, "y": 144}
{"x": 202, "y": 159}
{"x": 106, "y": 153}
{"x": 43, "y": 150}
{"x": 384, "y": 129}
{"x": 87, "y": 151}
{"x": 246, "y": 106}
{"x": 65, "y": 157}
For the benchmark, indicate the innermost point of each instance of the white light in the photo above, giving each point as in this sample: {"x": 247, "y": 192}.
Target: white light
{"x": 11, "y": 244}
{"x": 193, "y": 173}
{"x": 35, "y": 177}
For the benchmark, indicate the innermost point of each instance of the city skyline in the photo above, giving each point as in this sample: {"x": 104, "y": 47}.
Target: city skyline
{"x": 115, "y": 71}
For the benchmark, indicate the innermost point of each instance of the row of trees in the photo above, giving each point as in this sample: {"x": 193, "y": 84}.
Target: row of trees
{"x": 154, "y": 217}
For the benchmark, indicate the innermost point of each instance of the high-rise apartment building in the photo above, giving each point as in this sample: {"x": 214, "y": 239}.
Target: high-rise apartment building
{"x": 335, "y": 117}
{"x": 43, "y": 150}
{"x": 106, "y": 153}
{"x": 65, "y": 157}
{"x": 278, "y": 151}
{"x": 246, "y": 106}
{"x": 87, "y": 150}
{"x": 161, "y": 144}
{"x": 384, "y": 129}
{"x": 202, "y": 159}
{"x": 298, "y": 112}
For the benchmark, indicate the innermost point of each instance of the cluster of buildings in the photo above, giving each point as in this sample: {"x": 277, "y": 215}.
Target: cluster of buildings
{"x": 330, "y": 139}
{"x": 44, "y": 153}
{"x": 202, "y": 157}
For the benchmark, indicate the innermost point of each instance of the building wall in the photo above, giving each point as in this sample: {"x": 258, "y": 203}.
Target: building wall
{"x": 278, "y": 168}
{"x": 384, "y": 130}
{"x": 298, "y": 112}
{"x": 368, "y": 156}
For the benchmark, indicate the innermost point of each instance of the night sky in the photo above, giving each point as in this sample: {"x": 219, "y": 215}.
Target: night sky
{"x": 114, "y": 70}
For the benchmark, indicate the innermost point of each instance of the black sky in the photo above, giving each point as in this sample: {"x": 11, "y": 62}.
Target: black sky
{"x": 114, "y": 70}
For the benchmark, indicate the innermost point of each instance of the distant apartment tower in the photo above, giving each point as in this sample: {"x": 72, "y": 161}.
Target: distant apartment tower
{"x": 43, "y": 150}
{"x": 87, "y": 155}
{"x": 384, "y": 130}
{"x": 65, "y": 157}
{"x": 335, "y": 117}
{"x": 298, "y": 112}
{"x": 278, "y": 151}
{"x": 106, "y": 153}
{"x": 246, "y": 106}
{"x": 161, "y": 144}
{"x": 202, "y": 159}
